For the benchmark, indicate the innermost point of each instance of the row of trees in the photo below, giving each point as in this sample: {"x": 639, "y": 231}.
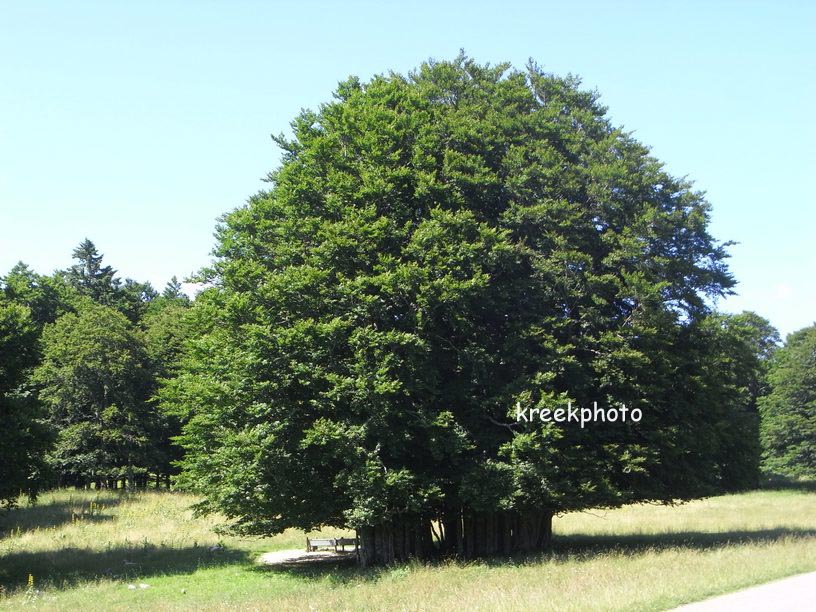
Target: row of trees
{"x": 83, "y": 353}
{"x": 434, "y": 250}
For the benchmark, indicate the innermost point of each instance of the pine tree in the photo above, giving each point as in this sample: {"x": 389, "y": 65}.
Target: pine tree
{"x": 90, "y": 277}
{"x": 173, "y": 291}
{"x": 100, "y": 283}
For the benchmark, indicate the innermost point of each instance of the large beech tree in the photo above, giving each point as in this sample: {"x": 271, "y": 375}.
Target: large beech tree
{"x": 434, "y": 249}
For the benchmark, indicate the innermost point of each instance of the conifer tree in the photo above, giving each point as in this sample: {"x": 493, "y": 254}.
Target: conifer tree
{"x": 90, "y": 277}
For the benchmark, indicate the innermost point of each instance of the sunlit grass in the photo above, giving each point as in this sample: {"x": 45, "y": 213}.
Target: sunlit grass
{"x": 85, "y": 550}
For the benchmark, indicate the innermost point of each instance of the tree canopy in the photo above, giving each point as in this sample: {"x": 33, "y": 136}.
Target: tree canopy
{"x": 789, "y": 409}
{"x": 434, "y": 250}
{"x": 95, "y": 382}
{"x": 81, "y": 356}
{"x": 90, "y": 278}
{"x": 23, "y": 438}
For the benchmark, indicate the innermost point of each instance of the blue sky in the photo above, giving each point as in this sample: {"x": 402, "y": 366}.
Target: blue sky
{"x": 138, "y": 124}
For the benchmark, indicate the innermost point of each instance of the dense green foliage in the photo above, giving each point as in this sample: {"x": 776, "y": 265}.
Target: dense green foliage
{"x": 434, "y": 250}
{"x": 47, "y": 297}
{"x": 23, "y": 439}
{"x": 95, "y": 381}
{"x": 99, "y": 282}
{"x": 166, "y": 330}
{"x": 739, "y": 348}
{"x": 99, "y": 346}
{"x": 28, "y": 302}
{"x": 789, "y": 410}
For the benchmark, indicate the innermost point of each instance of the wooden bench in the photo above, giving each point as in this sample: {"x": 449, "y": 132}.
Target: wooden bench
{"x": 343, "y": 542}
{"x": 312, "y": 544}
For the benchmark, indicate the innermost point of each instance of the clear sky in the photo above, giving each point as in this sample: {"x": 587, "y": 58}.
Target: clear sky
{"x": 137, "y": 124}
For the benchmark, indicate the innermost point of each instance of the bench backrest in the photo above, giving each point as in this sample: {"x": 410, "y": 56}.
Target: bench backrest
{"x": 321, "y": 541}
{"x": 345, "y": 541}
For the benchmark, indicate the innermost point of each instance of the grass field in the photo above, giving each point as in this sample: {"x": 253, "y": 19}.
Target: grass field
{"x": 91, "y": 551}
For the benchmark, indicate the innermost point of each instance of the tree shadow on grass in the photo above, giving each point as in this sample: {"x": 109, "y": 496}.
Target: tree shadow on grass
{"x": 54, "y": 513}
{"x": 592, "y": 545}
{"x": 70, "y": 566}
{"x": 563, "y": 548}
{"x": 782, "y": 483}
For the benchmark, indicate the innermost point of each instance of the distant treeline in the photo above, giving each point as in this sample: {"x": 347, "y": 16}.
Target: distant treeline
{"x": 83, "y": 354}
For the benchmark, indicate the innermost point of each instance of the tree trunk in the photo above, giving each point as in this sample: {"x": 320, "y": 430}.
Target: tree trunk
{"x": 470, "y": 535}
{"x": 452, "y": 542}
{"x": 505, "y": 533}
{"x": 400, "y": 540}
{"x": 534, "y": 531}
{"x": 504, "y": 536}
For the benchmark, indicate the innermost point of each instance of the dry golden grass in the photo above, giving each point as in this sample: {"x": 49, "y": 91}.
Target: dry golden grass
{"x": 634, "y": 558}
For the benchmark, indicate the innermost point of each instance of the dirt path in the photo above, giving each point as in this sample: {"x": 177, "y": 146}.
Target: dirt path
{"x": 794, "y": 594}
{"x": 300, "y": 556}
